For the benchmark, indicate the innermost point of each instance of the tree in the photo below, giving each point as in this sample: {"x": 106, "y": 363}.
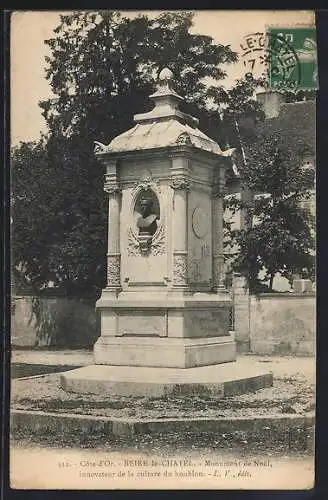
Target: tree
{"x": 281, "y": 237}
{"x": 59, "y": 216}
{"x": 102, "y": 68}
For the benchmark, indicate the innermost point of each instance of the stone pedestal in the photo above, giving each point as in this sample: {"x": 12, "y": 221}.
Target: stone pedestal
{"x": 165, "y": 305}
{"x": 226, "y": 379}
{"x": 173, "y": 353}
{"x": 172, "y": 331}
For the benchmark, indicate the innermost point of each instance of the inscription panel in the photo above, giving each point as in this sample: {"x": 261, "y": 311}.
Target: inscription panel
{"x": 143, "y": 323}
{"x": 207, "y": 323}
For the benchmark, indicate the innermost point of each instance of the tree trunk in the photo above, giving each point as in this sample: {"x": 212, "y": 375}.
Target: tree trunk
{"x": 271, "y": 281}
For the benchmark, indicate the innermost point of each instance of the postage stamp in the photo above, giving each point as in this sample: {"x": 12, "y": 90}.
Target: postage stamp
{"x": 293, "y": 60}
{"x": 284, "y": 57}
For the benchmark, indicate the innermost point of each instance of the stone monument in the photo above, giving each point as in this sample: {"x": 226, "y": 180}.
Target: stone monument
{"x": 165, "y": 310}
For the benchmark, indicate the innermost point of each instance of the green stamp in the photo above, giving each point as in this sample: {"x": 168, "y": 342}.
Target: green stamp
{"x": 292, "y": 58}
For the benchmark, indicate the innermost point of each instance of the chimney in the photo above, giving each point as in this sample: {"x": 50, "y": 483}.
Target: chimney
{"x": 271, "y": 101}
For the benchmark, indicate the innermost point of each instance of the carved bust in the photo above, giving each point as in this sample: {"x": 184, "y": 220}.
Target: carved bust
{"x": 146, "y": 219}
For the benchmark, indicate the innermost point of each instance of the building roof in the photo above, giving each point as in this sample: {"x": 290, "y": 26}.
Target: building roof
{"x": 164, "y": 126}
{"x": 297, "y": 120}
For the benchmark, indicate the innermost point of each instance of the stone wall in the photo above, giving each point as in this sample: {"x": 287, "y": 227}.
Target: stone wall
{"x": 23, "y": 322}
{"x": 283, "y": 323}
{"x": 280, "y": 323}
{"x": 241, "y": 306}
{"x": 53, "y": 321}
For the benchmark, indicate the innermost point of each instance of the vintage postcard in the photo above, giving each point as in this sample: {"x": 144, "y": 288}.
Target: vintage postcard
{"x": 163, "y": 322}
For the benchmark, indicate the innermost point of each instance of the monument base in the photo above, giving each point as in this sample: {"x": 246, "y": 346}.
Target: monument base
{"x": 176, "y": 330}
{"x": 164, "y": 352}
{"x": 221, "y": 380}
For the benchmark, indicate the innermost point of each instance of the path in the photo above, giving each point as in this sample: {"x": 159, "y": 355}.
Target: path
{"x": 281, "y": 366}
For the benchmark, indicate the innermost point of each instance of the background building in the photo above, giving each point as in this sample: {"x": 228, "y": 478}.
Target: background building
{"x": 297, "y": 120}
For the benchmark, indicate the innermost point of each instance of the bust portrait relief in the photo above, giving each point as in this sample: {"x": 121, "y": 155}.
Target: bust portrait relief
{"x": 147, "y": 219}
{"x": 146, "y": 216}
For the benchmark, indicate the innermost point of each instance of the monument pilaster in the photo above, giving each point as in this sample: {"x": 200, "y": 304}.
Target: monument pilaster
{"x": 180, "y": 184}
{"x": 217, "y": 234}
{"x": 112, "y": 188}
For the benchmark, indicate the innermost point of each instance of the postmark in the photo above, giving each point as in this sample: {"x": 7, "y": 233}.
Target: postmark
{"x": 284, "y": 58}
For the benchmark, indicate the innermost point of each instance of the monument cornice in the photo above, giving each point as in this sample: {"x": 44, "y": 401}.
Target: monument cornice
{"x": 189, "y": 151}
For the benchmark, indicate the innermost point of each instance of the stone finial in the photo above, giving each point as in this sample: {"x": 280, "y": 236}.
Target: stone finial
{"x": 165, "y": 75}
{"x": 165, "y": 80}
{"x": 166, "y": 102}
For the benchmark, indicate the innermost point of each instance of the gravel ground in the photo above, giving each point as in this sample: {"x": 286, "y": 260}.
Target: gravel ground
{"x": 293, "y": 392}
{"x": 289, "y": 395}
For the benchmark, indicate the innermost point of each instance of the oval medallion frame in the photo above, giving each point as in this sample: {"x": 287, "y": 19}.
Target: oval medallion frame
{"x": 157, "y": 246}
{"x": 200, "y": 222}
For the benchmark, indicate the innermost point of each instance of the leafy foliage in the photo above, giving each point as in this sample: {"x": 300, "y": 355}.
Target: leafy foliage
{"x": 237, "y": 110}
{"x": 104, "y": 66}
{"x": 59, "y": 216}
{"x": 281, "y": 236}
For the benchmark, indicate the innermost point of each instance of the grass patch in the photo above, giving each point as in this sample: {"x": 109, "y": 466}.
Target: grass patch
{"x": 19, "y": 370}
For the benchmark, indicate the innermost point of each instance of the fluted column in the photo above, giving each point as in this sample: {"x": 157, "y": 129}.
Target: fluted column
{"x": 217, "y": 235}
{"x": 180, "y": 184}
{"x": 113, "y": 249}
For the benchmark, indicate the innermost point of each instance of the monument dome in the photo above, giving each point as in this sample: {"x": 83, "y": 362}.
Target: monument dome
{"x": 165, "y": 126}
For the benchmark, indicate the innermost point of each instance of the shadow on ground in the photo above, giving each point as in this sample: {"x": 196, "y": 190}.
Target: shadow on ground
{"x": 21, "y": 370}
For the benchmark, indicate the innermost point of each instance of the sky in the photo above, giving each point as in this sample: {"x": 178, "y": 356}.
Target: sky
{"x": 29, "y": 29}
